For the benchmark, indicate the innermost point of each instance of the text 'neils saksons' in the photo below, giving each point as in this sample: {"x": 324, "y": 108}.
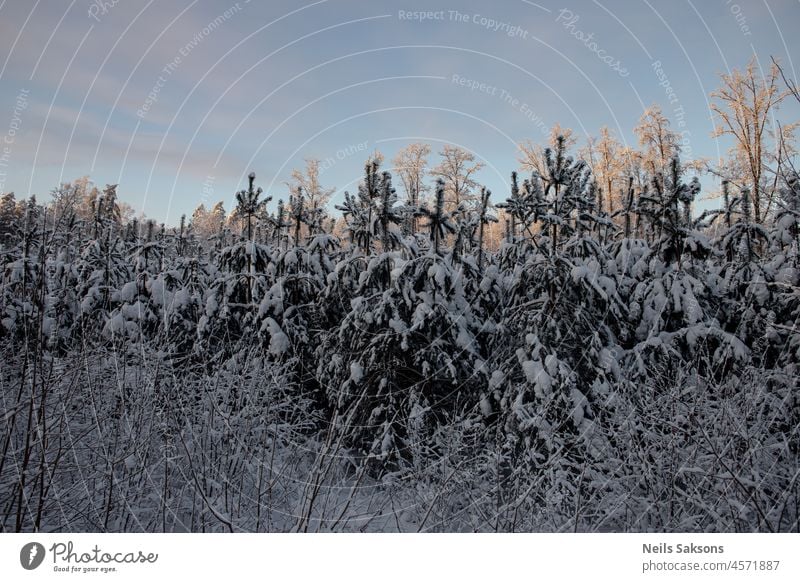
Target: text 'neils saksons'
{"x": 664, "y": 548}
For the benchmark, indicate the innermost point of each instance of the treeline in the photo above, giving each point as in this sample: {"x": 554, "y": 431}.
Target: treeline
{"x": 597, "y": 372}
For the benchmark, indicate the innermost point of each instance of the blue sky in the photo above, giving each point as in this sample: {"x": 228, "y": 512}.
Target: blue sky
{"x": 178, "y": 101}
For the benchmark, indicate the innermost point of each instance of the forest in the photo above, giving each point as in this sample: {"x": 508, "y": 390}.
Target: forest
{"x": 586, "y": 352}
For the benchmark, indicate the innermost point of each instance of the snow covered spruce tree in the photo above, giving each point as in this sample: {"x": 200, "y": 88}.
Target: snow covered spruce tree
{"x": 404, "y": 358}
{"x": 553, "y": 368}
{"x": 242, "y": 278}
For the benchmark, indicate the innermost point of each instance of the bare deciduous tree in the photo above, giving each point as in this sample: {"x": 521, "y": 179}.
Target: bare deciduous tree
{"x": 411, "y": 163}
{"x": 457, "y": 170}
{"x": 316, "y": 195}
{"x": 604, "y": 155}
{"x": 743, "y": 107}
{"x": 660, "y": 143}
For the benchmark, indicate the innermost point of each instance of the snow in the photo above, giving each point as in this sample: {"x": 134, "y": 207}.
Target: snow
{"x": 551, "y": 364}
{"x": 536, "y": 375}
{"x": 486, "y": 406}
{"x": 578, "y": 403}
{"x": 497, "y": 379}
{"x": 398, "y": 326}
{"x": 464, "y": 339}
{"x": 279, "y": 342}
{"x": 181, "y": 299}
{"x": 158, "y": 292}
{"x": 212, "y": 306}
{"x": 290, "y": 258}
{"x": 128, "y": 292}
{"x": 356, "y": 372}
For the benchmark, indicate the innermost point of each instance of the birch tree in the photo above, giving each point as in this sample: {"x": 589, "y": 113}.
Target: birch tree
{"x": 457, "y": 169}
{"x": 744, "y": 107}
{"x": 411, "y": 165}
